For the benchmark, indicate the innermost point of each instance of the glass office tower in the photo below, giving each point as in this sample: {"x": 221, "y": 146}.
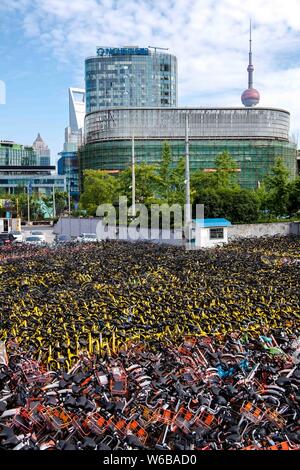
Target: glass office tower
{"x": 21, "y": 165}
{"x": 68, "y": 165}
{"x": 130, "y": 76}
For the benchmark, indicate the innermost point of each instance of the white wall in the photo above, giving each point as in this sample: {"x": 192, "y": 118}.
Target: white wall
{"x": 203, "y": 237}
{"x": 259, "y": 230}
{"x": 75, "y": 226}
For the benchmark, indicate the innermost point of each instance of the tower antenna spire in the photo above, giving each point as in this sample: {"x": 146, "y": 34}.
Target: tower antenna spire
{"x": 251, "y": 96}
{"x": 250, "y": 66}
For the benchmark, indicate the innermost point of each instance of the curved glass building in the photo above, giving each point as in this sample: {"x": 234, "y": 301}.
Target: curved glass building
{"x": 254, "y": 137}
{"x": 130, "y": 76}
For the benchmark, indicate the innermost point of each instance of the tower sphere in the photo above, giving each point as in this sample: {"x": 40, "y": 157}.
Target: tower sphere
{"x": 250, "y": 97}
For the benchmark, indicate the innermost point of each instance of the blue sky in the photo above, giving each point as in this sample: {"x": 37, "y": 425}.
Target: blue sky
{"x": 43, "y": 44}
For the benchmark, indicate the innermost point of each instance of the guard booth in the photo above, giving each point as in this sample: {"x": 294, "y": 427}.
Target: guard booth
{"x": 7, "y": 224}
{"x": 210, "y": 232}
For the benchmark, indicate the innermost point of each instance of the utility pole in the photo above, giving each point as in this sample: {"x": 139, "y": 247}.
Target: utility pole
{"x": 133, "y": 176}
{"x": 187, "y": 212}
{"x": 69, "y": 197}
{"x": 28, "y": 207}
{"x": 54, "y": 206}
{"x": 29, "y": 189}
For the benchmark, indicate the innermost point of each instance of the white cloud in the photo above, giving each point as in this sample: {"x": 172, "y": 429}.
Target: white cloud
{"x": 209, "y": 37}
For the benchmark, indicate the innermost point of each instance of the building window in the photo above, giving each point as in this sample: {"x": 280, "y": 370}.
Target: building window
{"x": 216, "y": 234}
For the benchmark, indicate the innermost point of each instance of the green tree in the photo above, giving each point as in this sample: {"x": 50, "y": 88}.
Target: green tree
{"x": 294, "y": 196}
{"x": 171, "y": 177}
{"x": 240, "y": 205}
{"x": 61, "y": 202}
{"x": 146, "y": 184}
{"x": 277, "y": 186}
{"x": 99, "y": 188}
{"x": 20, "y": 201}
{"x": 212, "y": 201}
{"x": 236, "y": 204}
{"x": 201, "y": 181}
{"x": 176, "y": 194}
{"x": 263, "y": 199}
{"x": 164, "y": 173}
{"x": 225, "y": 175}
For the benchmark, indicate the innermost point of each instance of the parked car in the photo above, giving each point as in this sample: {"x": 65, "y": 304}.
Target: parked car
{"x": 87, "y": 238}
{"x": 34, "y": 240}
{"x": 6, "y": 238}
{"x": 60, "y": 239}
{"x": 38, "y": 233}
{"x": 18, "y": 236}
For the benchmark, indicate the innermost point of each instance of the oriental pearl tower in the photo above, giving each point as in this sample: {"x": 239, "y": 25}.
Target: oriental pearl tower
{"x": 250, "y": 97}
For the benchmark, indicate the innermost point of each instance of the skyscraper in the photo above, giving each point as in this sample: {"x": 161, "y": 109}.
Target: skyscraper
{"x": 130, "y": 76}
{"x": 74, "y": 131}
{"x": 42, "y": 151}
{"x": 76, "y": 108}
{"x": 68, "y": 162}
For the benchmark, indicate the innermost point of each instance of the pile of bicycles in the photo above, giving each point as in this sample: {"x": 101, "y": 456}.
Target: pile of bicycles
{"x": 234, "y": 393}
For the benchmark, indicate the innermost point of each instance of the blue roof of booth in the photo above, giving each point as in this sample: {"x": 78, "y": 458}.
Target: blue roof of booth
{"x": 206, "y": 223}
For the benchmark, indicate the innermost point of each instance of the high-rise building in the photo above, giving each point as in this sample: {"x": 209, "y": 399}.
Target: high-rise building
{"x": 20, "y": 166}
{"x": 42, "y": 151}
{"x": 68, "y": 165}
{"x": 75, "y": 129}
{"x": 130, "y": 77}
{"x": 68, "y": 162}
{"x": 76, "y": 108}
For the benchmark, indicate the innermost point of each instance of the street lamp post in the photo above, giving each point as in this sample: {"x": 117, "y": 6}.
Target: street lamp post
{"x": 28, "y": 208}
{"x": 133, "y": 176}
{"x": 69, "y": 197}
{"x": 187, "y": 212}
{"x": 54, "y": 206}
{"x": 29, "y": 190}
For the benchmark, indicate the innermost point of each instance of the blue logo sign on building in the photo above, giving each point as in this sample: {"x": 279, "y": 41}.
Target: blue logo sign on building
{"x": 111, "y": 51}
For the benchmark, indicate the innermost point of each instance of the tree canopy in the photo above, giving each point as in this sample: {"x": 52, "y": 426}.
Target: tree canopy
{"x": 218, "y": 189}
{"x": 99, "y": 188}
{"x": 277, "y": 186}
